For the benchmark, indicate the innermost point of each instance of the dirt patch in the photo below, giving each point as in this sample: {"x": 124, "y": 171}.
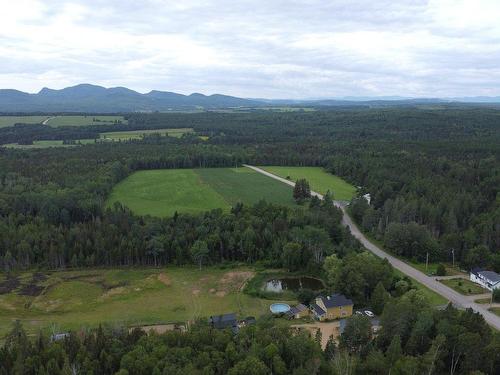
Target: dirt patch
{"x": 212, "y": 290}
{"x": 234, "y": 280}
{"x": 195, "y": 292}
{"x": 327, "y": 329}
{"x": 160, "y": 328}
{"x": 9, "y": 285}
{"x": 220, "y": 293}
{"x": 162, "y": 277}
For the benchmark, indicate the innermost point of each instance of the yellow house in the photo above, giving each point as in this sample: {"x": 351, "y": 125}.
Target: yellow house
{"x": 335, "y": 306}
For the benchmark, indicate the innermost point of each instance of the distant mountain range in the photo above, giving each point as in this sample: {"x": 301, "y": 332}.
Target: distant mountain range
{"x": 92, "y": 98}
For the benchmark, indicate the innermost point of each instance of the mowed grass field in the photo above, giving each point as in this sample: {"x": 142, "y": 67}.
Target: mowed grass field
{"x": 73, "y": 299}
{"x": 75, "y": 120}
{"x": 138, "y": 134}
{"x": 163, "y": 192}
{"x": 319, "y": 180}
{"x": 6, "y": 121}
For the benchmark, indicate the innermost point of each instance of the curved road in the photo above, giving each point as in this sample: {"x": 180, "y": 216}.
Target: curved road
{"x": 457, "y": 299}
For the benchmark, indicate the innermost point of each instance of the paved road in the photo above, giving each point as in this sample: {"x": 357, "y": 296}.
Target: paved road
{"x": 47, "y": 120}
{"x": 456, "y": 298}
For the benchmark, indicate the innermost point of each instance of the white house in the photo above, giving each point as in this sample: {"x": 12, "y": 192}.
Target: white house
{"x": 488, "y": 279}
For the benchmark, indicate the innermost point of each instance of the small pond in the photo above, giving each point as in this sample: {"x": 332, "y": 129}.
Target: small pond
{"x": 293, "y": 284}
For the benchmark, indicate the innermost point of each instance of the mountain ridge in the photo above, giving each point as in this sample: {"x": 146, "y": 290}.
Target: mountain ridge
{"x": 87, "y": 97}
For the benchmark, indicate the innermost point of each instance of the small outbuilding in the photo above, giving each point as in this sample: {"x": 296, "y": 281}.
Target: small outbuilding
{"x": 223, "y": 321}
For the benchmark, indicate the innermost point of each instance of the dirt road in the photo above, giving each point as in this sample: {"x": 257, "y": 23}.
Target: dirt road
{"x": 452, "y": 296}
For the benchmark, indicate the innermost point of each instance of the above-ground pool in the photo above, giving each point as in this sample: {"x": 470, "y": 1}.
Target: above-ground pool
{"x": 279, "y": 308}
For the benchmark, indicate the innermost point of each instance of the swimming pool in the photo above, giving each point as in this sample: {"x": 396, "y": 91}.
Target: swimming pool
{"x": 279, "y": 308}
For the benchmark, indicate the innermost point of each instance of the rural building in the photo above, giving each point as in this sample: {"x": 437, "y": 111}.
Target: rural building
{"x": 488, "y": 279}
{"x": 297, "y": 312}
{"x": 331, "y": 307}
{"x": 224, "y": 321}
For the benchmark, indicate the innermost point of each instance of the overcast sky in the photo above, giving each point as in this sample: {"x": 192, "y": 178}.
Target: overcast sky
{"x": 271, "y": 48}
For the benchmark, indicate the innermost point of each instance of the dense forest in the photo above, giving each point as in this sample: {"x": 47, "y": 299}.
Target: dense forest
{"x": 414, "y": 339}
{"x": 433, "y": 175}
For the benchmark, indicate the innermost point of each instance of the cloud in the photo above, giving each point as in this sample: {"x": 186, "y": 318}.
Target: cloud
{"x": 287, "y": 49}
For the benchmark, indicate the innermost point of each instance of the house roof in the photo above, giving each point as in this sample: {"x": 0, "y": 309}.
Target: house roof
{"x": 296, "y": 309}
{"x": 224, "y": 320}
{"x": 317, "y": 310}
{"x": 336, "y": 300}
{"x": 490, "y": 276}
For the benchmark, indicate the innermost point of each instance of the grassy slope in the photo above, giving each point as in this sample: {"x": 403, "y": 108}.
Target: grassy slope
{"x": 320, "y": 180}
{"x": 83, "y": 120}
{"x": 433, "y": 297}
{"x": 11, "y": 120}
{"x": 76, "y": 299}
{"x": 162, "y": 192}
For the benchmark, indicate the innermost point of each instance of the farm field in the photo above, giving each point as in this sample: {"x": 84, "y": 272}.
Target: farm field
{"x": 138, "y": 134}
{"x": 464, "y": 286}
{"x": 66, "y": 300}
{"x": 319, "y": 180}
{"x": 75, "y": 120}
{"x": 47, "y": 144}
{"x": 6, "y": 121}
{"x": 163, "y": 192}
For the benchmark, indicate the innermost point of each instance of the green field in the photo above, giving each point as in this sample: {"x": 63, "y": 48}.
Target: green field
{"x": 319, "y": 180}
{"x": 46, "y": 144}
{"x": 6, "y": 121}
{"x": 464, "y": 286}
{"x": 163, "y": 192}
{"x": 74, "y": 120}
{"x": 138, "y": 134}
{"x": 75, "y": 299}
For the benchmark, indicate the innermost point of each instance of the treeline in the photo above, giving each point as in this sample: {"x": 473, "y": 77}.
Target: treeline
{"x": 119, "y": 238}
{"x": 414, "y": 339}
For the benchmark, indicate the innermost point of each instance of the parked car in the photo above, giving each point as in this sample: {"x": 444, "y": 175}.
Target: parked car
{"x": 369, "y": 313}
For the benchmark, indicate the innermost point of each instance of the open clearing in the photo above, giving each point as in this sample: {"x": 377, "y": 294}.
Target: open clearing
{"x": 163, "y": 192}
{"x": 138, "y": 134}
{"x": 75, "y": 299}
{"x": 6, "y": 121}
{"x": 319, "y": 180}
{"x": 74, "y": 120}
{"x": 463, "y": 286}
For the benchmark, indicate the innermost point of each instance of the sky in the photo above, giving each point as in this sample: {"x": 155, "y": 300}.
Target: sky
{"x": 257, "y": 49}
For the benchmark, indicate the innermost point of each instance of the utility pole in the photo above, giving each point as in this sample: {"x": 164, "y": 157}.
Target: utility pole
{"x": 453, "y": 254}
{"x": 427, "y": 263}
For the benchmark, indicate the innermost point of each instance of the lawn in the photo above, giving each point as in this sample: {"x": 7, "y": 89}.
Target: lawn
{"x": 75, "y": 299}
{"x": 319, "y": 180}
{"x": 6, "y": 121}
{"x": 495, "y": 310}
{"x": 432, "y": 268}
{"x": 163, "y": 192}
{"x": 464, "y": 286}
{"x": 138, "y": 134}
{"x": 74, "y": 120}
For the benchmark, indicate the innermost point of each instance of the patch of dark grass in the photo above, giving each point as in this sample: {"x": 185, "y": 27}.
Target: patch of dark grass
{"x": 9, "y": 285}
